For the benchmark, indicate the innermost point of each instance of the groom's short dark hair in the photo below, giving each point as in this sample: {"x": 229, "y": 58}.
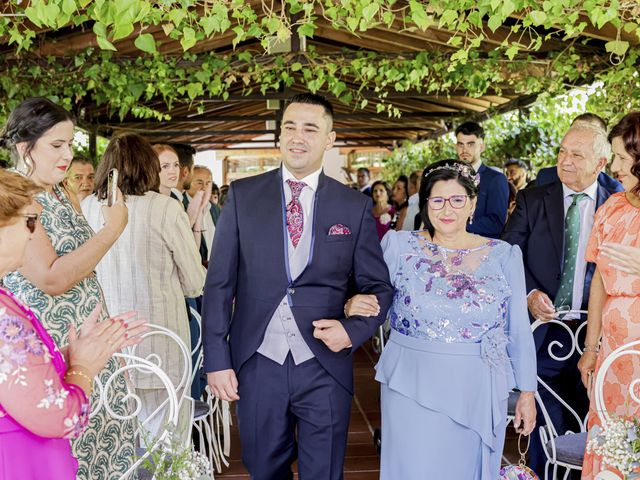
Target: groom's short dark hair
{"x": 312, "y": 99}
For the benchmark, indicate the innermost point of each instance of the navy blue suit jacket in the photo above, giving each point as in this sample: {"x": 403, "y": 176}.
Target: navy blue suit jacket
{"x": 550, "y": 174}
{"x": 493, "y": 201}
{"x": 248, "y": 264}
{"x": 537, "y": 227}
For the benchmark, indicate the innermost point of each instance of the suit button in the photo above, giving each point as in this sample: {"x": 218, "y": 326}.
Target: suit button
{"x": 291, "y": 334}
{"x": 291, "y": 291}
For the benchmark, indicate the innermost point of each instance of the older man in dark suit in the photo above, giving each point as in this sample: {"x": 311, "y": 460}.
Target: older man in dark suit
{"x": 289, "y": 246}
{"x": 551, "y": 224}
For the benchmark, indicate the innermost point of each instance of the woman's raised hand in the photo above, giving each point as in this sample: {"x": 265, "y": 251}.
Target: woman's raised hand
{"x": 117, "y": 215}
{"x": 195, "y": 210}
{"x": 98, "y": 341}
{"x": 362, "y": 305}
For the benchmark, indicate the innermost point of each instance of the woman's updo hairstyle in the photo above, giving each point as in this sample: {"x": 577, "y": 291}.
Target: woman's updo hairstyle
{"x": 442, "y": 171}
{"x": 27, "y": 123}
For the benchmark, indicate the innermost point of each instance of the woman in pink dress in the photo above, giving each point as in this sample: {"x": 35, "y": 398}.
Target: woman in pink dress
{"x": 383, "y": 211}
{"x": 43, "y": 402}
{"x": 614, "y": 302}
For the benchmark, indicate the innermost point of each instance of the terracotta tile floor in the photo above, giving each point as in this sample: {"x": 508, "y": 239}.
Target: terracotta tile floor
{"x": 362, "y": 462}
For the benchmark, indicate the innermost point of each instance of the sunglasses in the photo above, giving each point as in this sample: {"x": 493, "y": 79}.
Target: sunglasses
{"x": 30, "y": 220}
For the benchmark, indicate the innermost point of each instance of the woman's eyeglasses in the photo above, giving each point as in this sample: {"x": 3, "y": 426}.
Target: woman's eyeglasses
{"x": 31, "y": 219}
{"x": 456, "y": 201}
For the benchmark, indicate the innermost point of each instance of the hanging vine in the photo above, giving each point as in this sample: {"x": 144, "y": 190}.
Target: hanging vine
{"x": 103, "y": 76}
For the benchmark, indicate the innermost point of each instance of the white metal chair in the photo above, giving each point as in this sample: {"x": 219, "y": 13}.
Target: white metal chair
{"x": 627, "y": 350}
{"x": 182, "y": 386}
{"x": 133, "y": 403}
{"x": 563, "y": 449}
{"x": 213, "y": 423}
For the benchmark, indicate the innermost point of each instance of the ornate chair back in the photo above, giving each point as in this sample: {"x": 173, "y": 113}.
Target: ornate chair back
{"x": 132, "y": 404}
{"x": 562, "y": 449}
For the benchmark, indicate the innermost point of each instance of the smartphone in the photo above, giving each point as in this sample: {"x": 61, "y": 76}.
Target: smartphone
{"x": 112, "y": 186}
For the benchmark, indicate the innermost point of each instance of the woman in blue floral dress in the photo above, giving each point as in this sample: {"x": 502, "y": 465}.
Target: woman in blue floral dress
{"x": 57, "y": 280}
{"x": 460, "y": 341}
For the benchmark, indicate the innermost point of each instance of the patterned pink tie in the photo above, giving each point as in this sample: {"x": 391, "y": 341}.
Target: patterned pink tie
{"x": 295, "y": 216}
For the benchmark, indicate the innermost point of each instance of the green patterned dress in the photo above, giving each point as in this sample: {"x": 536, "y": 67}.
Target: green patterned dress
{"x": 106, "y": 449}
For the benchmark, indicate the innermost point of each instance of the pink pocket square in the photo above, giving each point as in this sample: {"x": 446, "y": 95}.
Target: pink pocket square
{"x": 339, "y": 229}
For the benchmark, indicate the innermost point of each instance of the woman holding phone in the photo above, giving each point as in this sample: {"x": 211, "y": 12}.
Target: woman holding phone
{"x": 152, "y": 267}
{"x": 57, "y": 278}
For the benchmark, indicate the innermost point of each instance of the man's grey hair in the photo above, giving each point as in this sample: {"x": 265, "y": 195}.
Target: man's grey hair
{"x": 601, "y": 145}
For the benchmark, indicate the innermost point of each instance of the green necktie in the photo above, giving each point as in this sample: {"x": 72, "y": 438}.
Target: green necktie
{"x": 564, "y": 297}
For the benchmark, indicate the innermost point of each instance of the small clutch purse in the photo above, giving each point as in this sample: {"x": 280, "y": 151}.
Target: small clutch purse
{"x": 518, "y": 471}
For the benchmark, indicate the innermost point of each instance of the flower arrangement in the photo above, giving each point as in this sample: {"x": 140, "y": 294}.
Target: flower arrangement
{"x": 619, "y": 446}
{"x": 170, "y": 459}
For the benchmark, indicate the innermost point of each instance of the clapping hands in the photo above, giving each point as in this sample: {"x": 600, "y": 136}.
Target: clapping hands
{"x": 98, "y": 341}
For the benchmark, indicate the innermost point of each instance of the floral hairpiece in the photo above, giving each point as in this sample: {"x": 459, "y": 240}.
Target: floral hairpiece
{"x": 461, "y": 169}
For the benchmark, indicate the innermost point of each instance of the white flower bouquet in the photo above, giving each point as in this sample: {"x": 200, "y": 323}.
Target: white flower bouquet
{"x": 170, "y": 460}
{"x": 619, "y": 446}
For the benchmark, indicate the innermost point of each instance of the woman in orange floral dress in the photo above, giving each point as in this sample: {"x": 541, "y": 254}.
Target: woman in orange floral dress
{"x": 614, "y": 302}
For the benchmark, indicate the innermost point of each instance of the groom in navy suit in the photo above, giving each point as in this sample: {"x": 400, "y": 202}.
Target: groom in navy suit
{"x": 290, "y": 246}
{"x": 539, "y": 227}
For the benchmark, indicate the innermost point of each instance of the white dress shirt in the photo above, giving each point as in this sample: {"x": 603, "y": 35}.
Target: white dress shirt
{"x": 587, "y": 211}
{"x": 412, "y": 210}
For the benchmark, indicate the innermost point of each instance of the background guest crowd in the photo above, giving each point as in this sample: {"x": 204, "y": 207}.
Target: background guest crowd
{"x": 291, "y": 271}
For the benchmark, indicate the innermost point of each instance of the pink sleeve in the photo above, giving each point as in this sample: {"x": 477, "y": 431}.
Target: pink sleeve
{"x": 32, "y": 392}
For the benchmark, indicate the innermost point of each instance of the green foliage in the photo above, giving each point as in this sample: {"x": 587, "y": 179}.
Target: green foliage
{"x": 192, "y": 21}
{"x": 170, "y": 459}
{"x": 124, "y": 84}
{"x": 532, "y": 135}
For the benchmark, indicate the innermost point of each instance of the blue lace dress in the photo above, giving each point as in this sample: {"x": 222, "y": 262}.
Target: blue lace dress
{"x": 460, "y": 341}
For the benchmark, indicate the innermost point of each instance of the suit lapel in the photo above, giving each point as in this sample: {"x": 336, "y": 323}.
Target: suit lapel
{"x": 554, "y": 208}
{"x": 601, "y": 195}
{"x": 270, "y": 217}
{"x": 317, "y": 214}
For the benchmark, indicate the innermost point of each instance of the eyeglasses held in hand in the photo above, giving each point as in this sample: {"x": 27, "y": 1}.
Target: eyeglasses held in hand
{"x": 30, "y": 220}
{"x": 456, "y": 201}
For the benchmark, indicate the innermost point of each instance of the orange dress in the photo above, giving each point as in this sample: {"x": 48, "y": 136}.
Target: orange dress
{"x": 617, "y": 221}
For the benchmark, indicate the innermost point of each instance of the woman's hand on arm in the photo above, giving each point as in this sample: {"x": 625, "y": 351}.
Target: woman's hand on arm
{"x": 623, "y": 257}
{"x": 55, "y": 275}
{"x": 362, "y": 305}
{"x": 525, "y": 418}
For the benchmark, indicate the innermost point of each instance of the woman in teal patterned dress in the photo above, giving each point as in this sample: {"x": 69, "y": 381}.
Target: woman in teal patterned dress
{"x": 57, "y": 280}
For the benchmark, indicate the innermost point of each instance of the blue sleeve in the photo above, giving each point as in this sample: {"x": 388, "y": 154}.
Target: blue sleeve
{"x": 521, "y": 348}
{"x": 391, "y": 251}
{"x": 220, "y": 288}
{"x": 489, "y": 222}
{"x": 370, "y": 276}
